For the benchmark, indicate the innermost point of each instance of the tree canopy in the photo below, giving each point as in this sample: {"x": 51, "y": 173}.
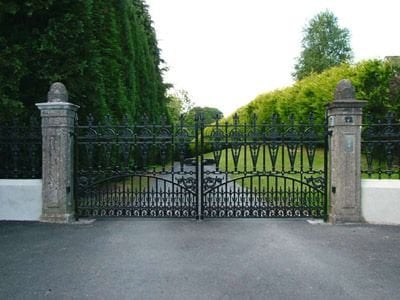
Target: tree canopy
{"x": 179, "y": 103}
{"x": 105, "y": 52}
{"x": 209, "y": 114}
{"x": 324, "y": 45}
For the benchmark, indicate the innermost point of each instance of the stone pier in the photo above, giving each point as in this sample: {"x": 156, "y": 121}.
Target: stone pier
{"x": 58, "y": 117}
{"x": 345, "y": 119}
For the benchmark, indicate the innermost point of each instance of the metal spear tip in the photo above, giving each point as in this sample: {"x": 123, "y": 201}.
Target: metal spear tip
{"x": 57, "y": 93}
{"x": 345, "y": 90}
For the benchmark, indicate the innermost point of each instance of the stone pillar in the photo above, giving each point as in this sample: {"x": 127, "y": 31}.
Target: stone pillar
{"x": 345, "y": 119}
{"x": 58, "y": 116}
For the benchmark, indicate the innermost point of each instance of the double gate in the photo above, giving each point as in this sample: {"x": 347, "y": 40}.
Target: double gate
{"x": 229, "y": 169}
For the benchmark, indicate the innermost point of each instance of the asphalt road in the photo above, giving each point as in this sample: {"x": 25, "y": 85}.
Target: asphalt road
{"x": 187, "y": 259}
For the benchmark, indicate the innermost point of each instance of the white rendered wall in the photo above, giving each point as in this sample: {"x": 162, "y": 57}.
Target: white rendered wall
{"x": 20, "y": 199}
{"x": 380, "y": 201}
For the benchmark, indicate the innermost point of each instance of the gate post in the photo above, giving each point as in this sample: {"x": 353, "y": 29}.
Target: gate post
{"x": 58, "y": 119}
{"x": 344, "y": 122}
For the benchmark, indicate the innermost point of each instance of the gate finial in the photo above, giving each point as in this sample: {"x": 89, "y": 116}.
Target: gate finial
{"x": 57, "y": 93}
{"x": 345, "y": 90}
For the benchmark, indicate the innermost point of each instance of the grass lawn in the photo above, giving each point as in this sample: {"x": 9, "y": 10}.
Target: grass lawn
{"x": 250, "y": 162}
{"x": 298, "y": 166}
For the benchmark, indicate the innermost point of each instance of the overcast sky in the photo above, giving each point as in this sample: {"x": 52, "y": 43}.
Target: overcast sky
{"x": 226, "y": 52}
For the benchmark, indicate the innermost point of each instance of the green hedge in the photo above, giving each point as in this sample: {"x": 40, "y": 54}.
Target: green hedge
{"x": 376, "y": 81}
{"x": 105, "y": 52}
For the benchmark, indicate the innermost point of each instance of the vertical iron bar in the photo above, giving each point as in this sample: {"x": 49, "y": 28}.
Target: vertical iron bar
{"x": 197, "y": 175}
{"x": 226, "y": 150}
{"x": 140, "y": 195}
{"x": 131, "y": 197}
{"x": 264, "y": 158}
{"x": 292, "y": 198}
{"x": 245, "y": 149}
{"x": 202, "y": 181}
{"x": 326, "y": 153}
{"x": 172, "y": 157}
{"x": 149, "y": 195}
{"x": 252, "y": 195}
{"x": 282, "y": 150}
{"x": 75, "y": 173}
{"x": 302, "y": 132}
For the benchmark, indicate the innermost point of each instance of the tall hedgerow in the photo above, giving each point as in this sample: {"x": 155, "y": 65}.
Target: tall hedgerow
{"x": 105, "y": 52}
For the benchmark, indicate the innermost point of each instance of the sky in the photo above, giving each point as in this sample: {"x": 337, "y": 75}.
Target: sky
{"x": 226, "y": 52}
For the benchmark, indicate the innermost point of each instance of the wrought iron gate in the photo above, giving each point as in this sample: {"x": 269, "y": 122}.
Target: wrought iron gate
{"x": 233, "y": 169}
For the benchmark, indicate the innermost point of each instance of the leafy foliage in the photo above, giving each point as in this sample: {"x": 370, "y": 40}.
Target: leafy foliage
{"x": 376, "y": 81}
{"x": 105, "y": 52}
{"x": 179, "y": 103}
{"x": 324, "y": 45}
{"x": 209, "y": 115}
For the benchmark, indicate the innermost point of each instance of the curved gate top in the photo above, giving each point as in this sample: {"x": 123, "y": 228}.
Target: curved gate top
{"x": 226, "y": 169}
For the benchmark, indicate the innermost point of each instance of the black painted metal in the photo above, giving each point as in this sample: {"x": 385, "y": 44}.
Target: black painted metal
{"x": 222, "y": 170}
{"x": 21, "y": 149}
{"x": 136, "y": 170}
{"x": 380, "y": 147}
{"x": 264, "y": 170}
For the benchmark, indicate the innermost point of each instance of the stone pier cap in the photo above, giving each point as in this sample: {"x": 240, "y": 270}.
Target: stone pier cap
{"x": 57, "y": 99}
{"x": 345, "y": 96}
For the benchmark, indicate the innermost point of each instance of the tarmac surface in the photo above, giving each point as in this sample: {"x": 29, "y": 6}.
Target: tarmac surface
{"x": 188, "y": 259}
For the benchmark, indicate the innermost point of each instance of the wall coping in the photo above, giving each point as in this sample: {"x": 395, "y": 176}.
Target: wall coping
{"x": 23, "y": 182}
{"x": 381, "y": 183}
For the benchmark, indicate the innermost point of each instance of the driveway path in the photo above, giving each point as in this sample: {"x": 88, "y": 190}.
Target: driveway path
{"x": 212, "y": 259}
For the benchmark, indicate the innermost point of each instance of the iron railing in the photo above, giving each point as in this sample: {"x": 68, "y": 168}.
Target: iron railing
{"x": 380, "y": 147}
{"x": 21, "y": 149}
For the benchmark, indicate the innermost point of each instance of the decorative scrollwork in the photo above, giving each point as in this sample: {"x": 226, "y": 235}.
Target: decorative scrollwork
{"x": 211, "y": 182}
{"x": 187, "y": 182}
{"x": 316, "y": 182}
{"x": 217, "y": 137}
